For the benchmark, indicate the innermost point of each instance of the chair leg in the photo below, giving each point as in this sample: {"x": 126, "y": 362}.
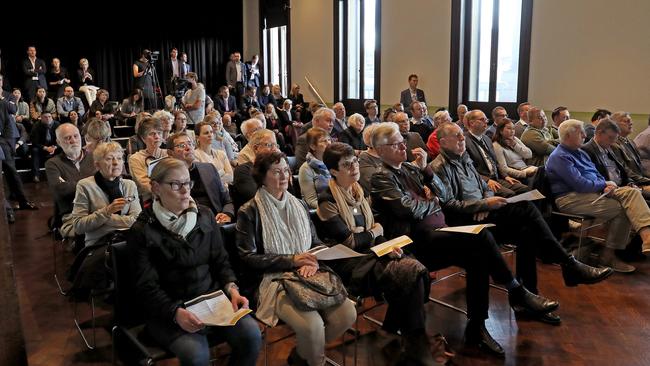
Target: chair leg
{"x": 56, "y": 267}
{"x": 76, "y": 323}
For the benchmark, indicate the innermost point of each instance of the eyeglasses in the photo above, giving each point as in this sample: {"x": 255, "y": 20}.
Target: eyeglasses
{"x": 176, "y": 186}
{"x": 278, "y": 172}
{"x": 184, "y": 145}
{"x": 395, "y": 145}
{"x": 348, "y": 164}
{"x": 270, "y": 145}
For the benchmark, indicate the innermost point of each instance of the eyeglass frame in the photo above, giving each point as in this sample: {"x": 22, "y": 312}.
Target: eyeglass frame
{"x": 176, "y": 186}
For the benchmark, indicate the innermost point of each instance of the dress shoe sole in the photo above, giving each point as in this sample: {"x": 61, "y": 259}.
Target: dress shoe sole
{"x": 591, "y": 281}
{"x": 550, "y": 319}
{"x": 522, "y": 309}
{"x": 486, "y": 349}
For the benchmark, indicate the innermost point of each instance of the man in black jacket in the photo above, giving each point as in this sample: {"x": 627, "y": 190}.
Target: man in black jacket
{"x": 207, "y": 188}
{"x": 402, "y": 196}
{"x": 466, "y": 199}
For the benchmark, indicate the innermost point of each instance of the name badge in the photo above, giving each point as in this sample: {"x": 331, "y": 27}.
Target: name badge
{"x": 34, "y": 77}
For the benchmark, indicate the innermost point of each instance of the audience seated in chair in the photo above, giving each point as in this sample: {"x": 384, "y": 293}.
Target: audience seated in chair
{"x": 207, "y": 188}
{"x": 102, "y": 109}
{"x": 86, "y": 81}
{"x": 248, "y": 128}
{"x": 104, "y": 202}
{"x": 538, "y": 138}
{"x": 256, "y": 113}
{"x": 43, "y": 142}
{"x": 179, "y": 254}
{"x": 226, "y": 104}
{"x": 626, "y": 149}
{"x": 274, "y": 232}
{"x": 68, "y": 103}
{"x": 511, "y": 153}
{"x": 166, "y": 122}
{"x": 418, "y": 123}
{"x": 341, "y": 121}
{"x": 559, "y": 115}
{"x": 346, "y": 217}
{"x": 642, "y": 143}
{"x": 590, "y": 128}
{"x": 369, "y": 162}
{"x": 130, "y": 107}
{"x": 244, "y": 186}
{"x": 150, "y": 131}
{"x": 413, "y": 140}
{"x": 222, "y": 140}
{"x": 433, "y": 147}
{"x": 323, "y": 118}
{"x": 577, "y": 185}
{"x": 402, "y": 196}
{"x": 313, "y": 175}
{"x": 205, "y": 153}
{"x": 95, "y": 132}
{"x": 135, "y": 143}
{"x": 522, "y": 123}
{"x": 41, "y": 104}
{"x": 353, "y": 134}
{"x": 481, "y": 153}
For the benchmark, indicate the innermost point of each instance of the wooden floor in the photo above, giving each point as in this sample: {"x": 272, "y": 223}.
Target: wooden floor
{"x": 604, "y": 324}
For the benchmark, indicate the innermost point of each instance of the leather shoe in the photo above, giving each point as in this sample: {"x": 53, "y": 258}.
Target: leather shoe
{"x": 522, "y": 300}
{"x": 27, "y": 206}
{"x": 575, "y": 273}
{"x": 548, "y": 318}
{"x": 478, "y": 335}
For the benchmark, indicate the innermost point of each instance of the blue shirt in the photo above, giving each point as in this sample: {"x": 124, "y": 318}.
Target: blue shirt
{"x": 572, "y": 171}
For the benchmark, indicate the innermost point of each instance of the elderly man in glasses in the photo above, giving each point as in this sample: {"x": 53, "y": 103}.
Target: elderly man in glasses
{"x": 206, "y": 187}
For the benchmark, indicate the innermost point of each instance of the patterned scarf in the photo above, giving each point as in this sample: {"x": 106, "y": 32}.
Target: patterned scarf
{"x": 322, "y": 174}
{"x": 180, "y": 225}
{"x": 347, "y": 202}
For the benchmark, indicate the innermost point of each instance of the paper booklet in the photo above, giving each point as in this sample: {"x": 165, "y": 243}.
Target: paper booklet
{"x": 467, "y": 229}
{"x": 528, "y": 196}
{"x": 339, "y": 251}
{"x": 215, "y": 309}
{"x": 387, "y": 247}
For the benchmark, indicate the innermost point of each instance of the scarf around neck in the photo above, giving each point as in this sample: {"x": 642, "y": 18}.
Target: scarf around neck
{"x": 112, "y": 188}
{"x": 322, "y": 174}
{"x": 288, "y": 233}
{"x": 348, "y": 202}
{"x": 180, "y": 225}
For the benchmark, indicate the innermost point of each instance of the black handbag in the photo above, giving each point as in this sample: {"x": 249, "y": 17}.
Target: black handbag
{"x": 318, "y": 292}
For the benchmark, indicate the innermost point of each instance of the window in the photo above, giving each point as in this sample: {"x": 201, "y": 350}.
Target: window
{"x": 357, "y": 32}
{"x": 490, "y": 52}
{"x": 274, "y": 43}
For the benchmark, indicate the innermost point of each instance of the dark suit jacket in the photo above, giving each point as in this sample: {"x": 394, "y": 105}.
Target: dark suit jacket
{"x": 217, "y": 194}
{"x": 39, "y": 71}
{"x": 39, "y": 132}
{"x": 231, "y": 73}
{"x": 221, "y": 105}
{"x": 628, "y": 153}
{"x": 286, "y": 118}
{"x": 627, "y": 174}
{"x": 62, "y": 178}
{"x": 243, "y": 185}
{"x": 263, "y": 100}
{"x": 352, "y": 138}
{"x": 405, "y": 99}
{"x": 475, "y": 154}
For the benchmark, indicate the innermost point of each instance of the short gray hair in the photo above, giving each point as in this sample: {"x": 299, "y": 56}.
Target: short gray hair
{"x": 322, "y": 112}
{"x": 163, "y": 114}
{"x": 259, "y": 135}
{"x": 356, "y": 117}
{"x": 618, "y": 116}
{"x": 59, "y": 130}
{"x": 104, "y": 148}
{"x": 248, "y": 125}
{"x": 568, "y": 127}
{"x": 367, "y": 133}
{"x": 382, "y": 132}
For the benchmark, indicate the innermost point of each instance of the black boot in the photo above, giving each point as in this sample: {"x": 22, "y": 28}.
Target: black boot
{"x": 477, "y": 335}
{"x": 522, "y": 300}
{"x": 575, "y": 273}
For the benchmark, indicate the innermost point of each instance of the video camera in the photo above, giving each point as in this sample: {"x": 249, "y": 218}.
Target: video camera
{"x": 151, "y": 56}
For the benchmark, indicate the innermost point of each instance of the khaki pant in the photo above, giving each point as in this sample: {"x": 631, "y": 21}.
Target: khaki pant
{"x": 315, "y": 328}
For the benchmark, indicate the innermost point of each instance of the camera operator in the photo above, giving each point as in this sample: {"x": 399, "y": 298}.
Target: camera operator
{"x": 143, "y": 79}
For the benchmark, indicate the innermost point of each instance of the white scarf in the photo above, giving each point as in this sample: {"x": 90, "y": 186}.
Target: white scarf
{"x": 180, "y": 225}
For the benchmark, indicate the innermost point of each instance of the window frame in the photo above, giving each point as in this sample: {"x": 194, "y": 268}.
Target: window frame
{"x": 264, "y": 50}
{"x": 460, "y": 65}
{"x": 340, "y": 81}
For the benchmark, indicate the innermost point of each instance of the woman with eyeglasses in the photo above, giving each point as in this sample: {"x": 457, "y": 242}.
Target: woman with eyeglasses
{"x": 313, "y": 175}
{"x": 179, "y": 255}
{"x": 274, "y": 233}
{"x": 104, "y": 202}
{"x": 150, "y": 131}
{"x": 346, "y": 217}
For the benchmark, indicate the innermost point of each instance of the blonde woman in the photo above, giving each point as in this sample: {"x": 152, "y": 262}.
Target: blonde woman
{"x": 86, "y": 80}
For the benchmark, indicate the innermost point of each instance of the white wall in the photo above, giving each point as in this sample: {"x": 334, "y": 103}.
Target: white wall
{"x": 416, "y": 38}
{"x": 251, "y": 11}
{"x": 587, "y": 54}
{"x": 312, "y": 47}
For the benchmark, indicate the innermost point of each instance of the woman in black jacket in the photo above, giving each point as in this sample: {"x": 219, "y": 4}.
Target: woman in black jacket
{"x": 179, "y": 255}
{"x": 274, "y": 233}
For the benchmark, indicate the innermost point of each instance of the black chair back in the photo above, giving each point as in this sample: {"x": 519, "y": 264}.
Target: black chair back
{"x": 126, "y": 311}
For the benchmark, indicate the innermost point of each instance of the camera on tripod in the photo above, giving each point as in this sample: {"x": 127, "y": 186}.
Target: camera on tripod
{"x": 151, "y": 56}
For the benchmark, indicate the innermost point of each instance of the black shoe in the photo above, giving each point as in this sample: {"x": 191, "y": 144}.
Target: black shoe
{"x": 522, "y": 300}
{"x": 575, "y": 273}
{"x": 11, "y": 216}
{"x": 478, "y": 335}
{"x": 295, "y": 359}
{"x": 26, "y": 205}
{"x": 549, "y": 318}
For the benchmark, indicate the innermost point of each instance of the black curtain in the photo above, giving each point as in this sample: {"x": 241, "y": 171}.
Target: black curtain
{"x": 112, "y": 46}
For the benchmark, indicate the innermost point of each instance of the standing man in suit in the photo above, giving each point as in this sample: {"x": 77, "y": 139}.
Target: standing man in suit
{"x": 185, "y": 66}
{"x": 253, "y": 69}
{"x": 412, "y": 94}
{"x": 236, "y": 75}
{"x": 34, "y": 70}
{"x": 173, "y": 71}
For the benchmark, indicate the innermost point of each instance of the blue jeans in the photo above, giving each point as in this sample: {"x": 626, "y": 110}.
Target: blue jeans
{"x": 244, "y": 338}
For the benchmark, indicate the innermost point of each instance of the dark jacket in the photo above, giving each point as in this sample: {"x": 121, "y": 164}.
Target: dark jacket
{"x": 447, "y": 185}
{"x": 218, "y": 195}
{"x": 397, "y": 208}
{"x": 353, "y": 138}
{"x": 243, "y": 185}
{"x": 250, "y": 246}
{"x": 39, "y": 135}
{"x": 405, "y": 98}
{"x": 220, "y": 104}
{"x": 170, "y": 270}
{"x": 627, "y": 174}
{"x": 62, "y": 178}
{"x": 476, "y": 156}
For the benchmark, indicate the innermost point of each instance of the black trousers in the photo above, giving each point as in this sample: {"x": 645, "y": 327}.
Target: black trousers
{"x": 522, "y": 224}
{"x": 478, "y": 254}
{"x": 9, "y": 167}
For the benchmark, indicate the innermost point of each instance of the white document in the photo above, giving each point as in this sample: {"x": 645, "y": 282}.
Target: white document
{"x": 215, "y": 309}
{"x": 467, "y": 229}
{"x": 339, "y": 251}
{"x": 528, "y": 196}
{"x": 599, "y": 197}
{"x": 387, "y": 247}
